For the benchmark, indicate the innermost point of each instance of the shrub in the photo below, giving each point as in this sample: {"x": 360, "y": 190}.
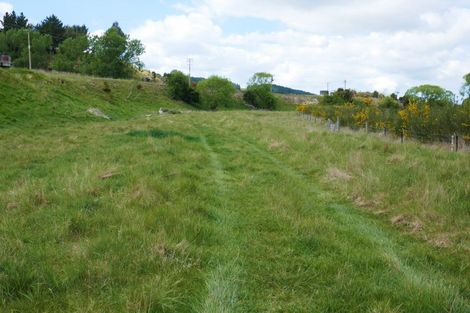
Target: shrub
{"x": 261, "y": 97}
{"x": 216, "y": 92}
{"x": 259, "y": 92}
{"x": 389, "y": 103}
{"x": 179, "y": 89}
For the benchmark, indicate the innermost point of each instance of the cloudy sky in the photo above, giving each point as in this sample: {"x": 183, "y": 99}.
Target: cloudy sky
{"x": 380, "y": 45}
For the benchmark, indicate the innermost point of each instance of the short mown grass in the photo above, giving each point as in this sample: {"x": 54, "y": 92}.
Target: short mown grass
{"x": 228, "y": 212}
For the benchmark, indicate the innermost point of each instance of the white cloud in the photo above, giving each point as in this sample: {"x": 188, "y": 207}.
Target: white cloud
{"x": 98, "y": 32}
{"x": 383, "y": 45}
{"x": 170, "y": 41}
{"x": 333, "y": 16}
{"x": 5, "y": 7}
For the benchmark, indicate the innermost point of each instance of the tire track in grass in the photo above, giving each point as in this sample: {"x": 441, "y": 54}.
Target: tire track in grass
{"x": 257, "y": 230}
{"x": 222, "y": 282}
{"x": 433, "y": 281}
{"x": 374, "y": 234}
{"x": 248, "y": 296}
{"x": 238, "y": 228}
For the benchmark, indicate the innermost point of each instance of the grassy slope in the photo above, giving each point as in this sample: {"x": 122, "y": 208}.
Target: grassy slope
{"x": 228, "y": 212}
{"x": 38, "y": 98}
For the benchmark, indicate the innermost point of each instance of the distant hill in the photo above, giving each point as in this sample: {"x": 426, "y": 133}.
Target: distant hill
{"x": 276, "y": 88}
{"x": 289, "y": 91}
{"x": 197, "y": 79}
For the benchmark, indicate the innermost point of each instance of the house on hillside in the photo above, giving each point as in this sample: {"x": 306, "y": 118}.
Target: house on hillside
{"x": 5, "y": 60}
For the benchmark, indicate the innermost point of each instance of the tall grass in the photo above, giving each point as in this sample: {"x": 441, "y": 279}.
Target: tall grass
{"x": 228, "y": 212}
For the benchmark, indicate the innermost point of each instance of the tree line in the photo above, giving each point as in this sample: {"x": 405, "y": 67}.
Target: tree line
{"x": 427, "y": 112}
{"x": 69, "y": 48}
{"x": 218, "y": 92}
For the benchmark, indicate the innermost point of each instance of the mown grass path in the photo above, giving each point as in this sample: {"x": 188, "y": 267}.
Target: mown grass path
{"x": 200, "y": 214}
{"x": 223, "y": 281}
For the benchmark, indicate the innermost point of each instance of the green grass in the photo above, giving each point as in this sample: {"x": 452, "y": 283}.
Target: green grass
{"x": 36, "y": 98}
{"x": 228, "y": 212}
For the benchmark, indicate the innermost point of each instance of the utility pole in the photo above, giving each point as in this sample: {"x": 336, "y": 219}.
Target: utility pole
{"x": 328, "y": 87}
{"x": 189, "y": 66}
{"x": 29, "y": 51}
{"x": 345, "y": 83}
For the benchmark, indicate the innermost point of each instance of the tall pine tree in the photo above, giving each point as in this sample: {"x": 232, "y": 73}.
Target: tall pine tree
{"x": 13, "y": 21}
{"x": 54, "y": 27}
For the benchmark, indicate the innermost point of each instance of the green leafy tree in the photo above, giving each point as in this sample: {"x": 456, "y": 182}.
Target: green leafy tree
{"x": 118, "y": 29}
{"x": 389, "y": 103}
{"x": 54, "y": 27}
{"x": 216, "y": 92}
{"x": 261, "y": 78}
{"x": 178, "y": 87}
{"x": 71, "y": 55}
{"x": 15, "y": 43}
{"x": 259, "y": 91}
{"x": 465, "y": 90}
{"x": 134, "y": 49}
{"x": 463, "y": 120}
{"x": 75, "y": 31}
{"x": 430, "y": 94}
{"x": 346, "y": 95}
{"x": 114, "y": 55}
{"x": 463, "y": 112}
{"x": 13, "y": 21}
{"x": 339, "y": 97}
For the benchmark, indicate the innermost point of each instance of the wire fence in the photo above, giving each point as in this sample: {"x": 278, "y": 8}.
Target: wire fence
{"x": 453, "y": 142}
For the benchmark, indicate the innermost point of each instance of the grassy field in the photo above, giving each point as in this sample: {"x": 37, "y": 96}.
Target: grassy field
{"x": 226, "y": 212}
